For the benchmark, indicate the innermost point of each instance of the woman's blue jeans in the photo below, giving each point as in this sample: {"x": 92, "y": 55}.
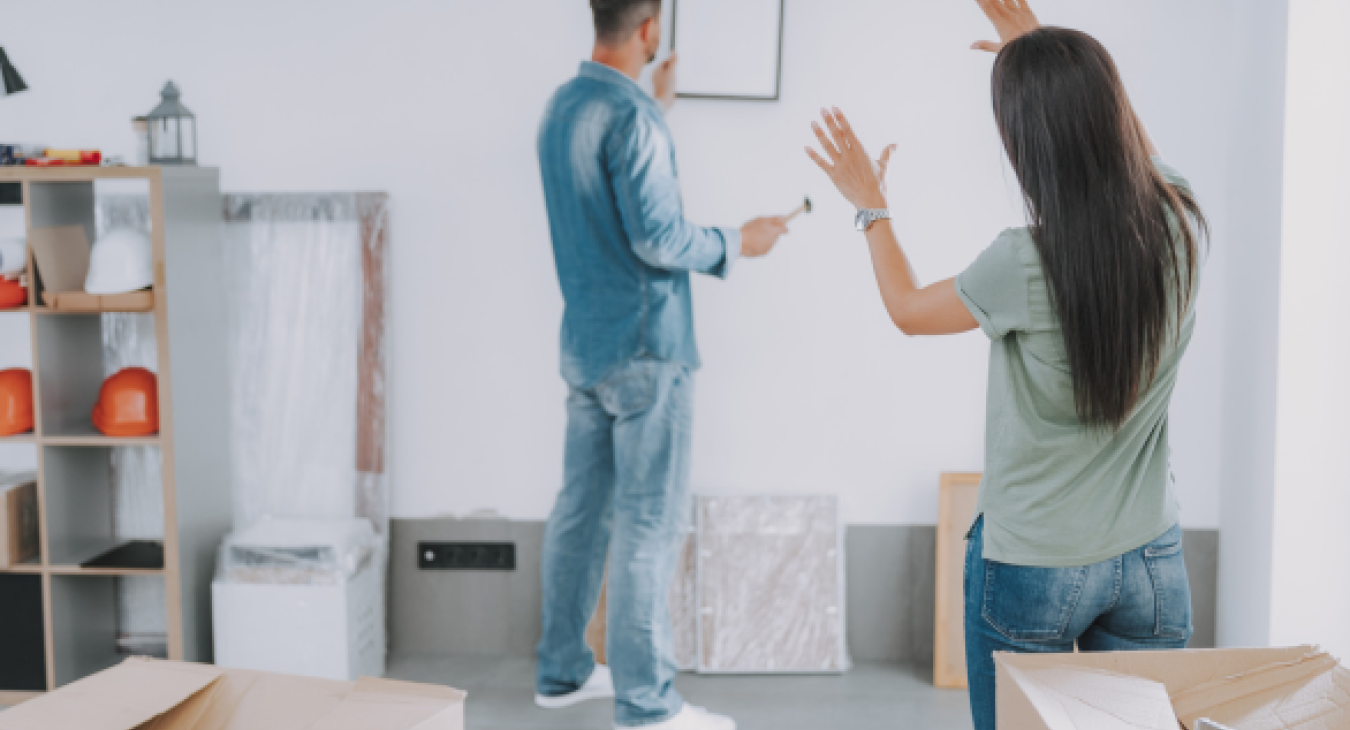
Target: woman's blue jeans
{"x": 1139, "y": 600}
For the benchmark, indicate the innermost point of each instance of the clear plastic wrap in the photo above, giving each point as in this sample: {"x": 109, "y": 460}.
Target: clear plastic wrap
{"x": 770, "y": 585}
{"x": 298, "y": 551}
{"x": 137, "y": 485}
{"x": 306, "y": 277}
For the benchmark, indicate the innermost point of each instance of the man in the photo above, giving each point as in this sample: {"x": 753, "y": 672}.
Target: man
{"x": 624, "y": 252}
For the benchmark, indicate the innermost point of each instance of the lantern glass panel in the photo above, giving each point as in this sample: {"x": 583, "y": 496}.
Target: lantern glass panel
{"x": 189, "y": 142}
{"x": 164, "y": 136}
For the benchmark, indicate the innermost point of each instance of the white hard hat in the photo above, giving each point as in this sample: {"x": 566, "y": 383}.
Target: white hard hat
{"x": 121, "y": 262}
{"x": 13, "y": 256}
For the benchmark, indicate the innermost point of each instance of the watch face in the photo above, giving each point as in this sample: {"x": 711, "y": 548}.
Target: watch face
{"x": 860, "y": 220}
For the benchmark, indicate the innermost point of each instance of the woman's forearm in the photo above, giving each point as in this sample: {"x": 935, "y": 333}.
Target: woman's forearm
{"x": 895, "y": 276}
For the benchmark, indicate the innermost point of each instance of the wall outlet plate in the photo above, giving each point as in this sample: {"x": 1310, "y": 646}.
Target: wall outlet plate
{"x": 466, "y": 556}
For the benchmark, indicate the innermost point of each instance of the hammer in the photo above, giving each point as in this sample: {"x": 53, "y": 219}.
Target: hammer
{"x": 804, "y": 208}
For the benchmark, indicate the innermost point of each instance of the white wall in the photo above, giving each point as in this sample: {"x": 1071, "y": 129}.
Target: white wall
{"x": 1255, "y": 186}
{"x": 1310, "y": 587}
{"x": 807, "y": 387}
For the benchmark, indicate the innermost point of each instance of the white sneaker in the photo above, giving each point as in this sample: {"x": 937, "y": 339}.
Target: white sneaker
{"x": 691, "y": 717}
{"x": 599, "y": 686}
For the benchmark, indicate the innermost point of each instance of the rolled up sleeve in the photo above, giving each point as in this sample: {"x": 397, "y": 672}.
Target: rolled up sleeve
{"x": 995, "y": 289}
{"x": 641, "y": 167}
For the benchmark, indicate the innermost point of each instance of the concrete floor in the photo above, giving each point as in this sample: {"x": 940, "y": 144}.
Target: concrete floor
{"x": 871, "y": 697}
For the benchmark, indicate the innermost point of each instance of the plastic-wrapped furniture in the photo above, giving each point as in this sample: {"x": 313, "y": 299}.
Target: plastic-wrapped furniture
{"x": 301, "y": 597}
{"x": 770, "y": 585}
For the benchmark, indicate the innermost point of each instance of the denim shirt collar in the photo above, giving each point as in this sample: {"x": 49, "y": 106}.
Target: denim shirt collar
{"x": 609, "y": 75}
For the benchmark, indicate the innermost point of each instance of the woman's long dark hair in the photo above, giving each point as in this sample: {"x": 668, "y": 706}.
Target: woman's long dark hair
{"x": 1105, "y": 222}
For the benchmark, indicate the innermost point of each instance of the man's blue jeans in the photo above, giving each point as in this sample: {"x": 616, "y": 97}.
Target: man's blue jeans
{"x": 1139, "y": 600}
{"x": 626, "y": 495}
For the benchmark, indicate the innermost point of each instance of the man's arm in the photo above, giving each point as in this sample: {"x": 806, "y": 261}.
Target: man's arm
{"x": 642, "y": 173}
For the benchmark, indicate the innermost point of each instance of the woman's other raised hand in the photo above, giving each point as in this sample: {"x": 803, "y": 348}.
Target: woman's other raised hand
{"x": 1011, "y": 18}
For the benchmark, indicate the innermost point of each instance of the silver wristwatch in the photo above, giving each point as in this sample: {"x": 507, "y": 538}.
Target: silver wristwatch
{"x": 868, "y": 216}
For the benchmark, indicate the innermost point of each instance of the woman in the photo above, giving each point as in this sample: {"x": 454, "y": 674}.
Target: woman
{"x": 1089, "y": 309}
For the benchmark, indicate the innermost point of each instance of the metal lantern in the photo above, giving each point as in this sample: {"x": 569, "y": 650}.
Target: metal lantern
{"x": 173, "y": 131}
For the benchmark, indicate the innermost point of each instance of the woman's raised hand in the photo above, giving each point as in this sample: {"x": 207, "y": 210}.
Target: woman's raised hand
{"x": 1011, "y": 18}
{"x": 861, "y": 180}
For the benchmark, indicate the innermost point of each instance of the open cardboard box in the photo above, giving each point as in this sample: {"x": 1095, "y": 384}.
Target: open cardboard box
{"x": 150, "y": 694}
{"x": 18, "y": 519}
{"x": 1295, "y": 688}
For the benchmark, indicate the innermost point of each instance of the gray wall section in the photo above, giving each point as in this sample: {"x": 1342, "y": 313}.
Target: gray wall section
{"x": 464, "y": 612}
{"x": 890, "y": 575}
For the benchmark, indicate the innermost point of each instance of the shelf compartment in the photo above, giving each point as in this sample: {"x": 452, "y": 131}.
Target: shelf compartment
{"x": 92, "y": 508}
{"x": 59, "y": 204}
{"x": 70, "y": 362}
{"x": 100, "y": 620}
{"x": 23, "y": 651}
{"x": 84, "y": 626}
{"x": 16, "y": 331}
{"x": 70, "y": 373}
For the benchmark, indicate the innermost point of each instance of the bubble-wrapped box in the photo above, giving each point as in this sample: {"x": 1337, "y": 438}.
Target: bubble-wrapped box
{"x": 301, "y": 596}
{"x": 770, "y": 581}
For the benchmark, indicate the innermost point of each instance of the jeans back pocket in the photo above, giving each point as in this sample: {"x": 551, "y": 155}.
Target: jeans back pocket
{"x": 1171, "y": 589}
{"x": 1030, "y": 603}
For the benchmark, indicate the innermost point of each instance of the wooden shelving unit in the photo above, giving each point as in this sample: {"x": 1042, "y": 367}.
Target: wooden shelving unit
{"x": 75, "y": 501}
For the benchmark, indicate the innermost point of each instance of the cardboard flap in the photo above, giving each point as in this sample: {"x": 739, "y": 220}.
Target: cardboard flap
{"x": 1200, "y": 666}
{"x": 62, "y": 254}
{"x": 374, "y": 685}
{"x": 1311, "y": 692}
{"x": 284, "y": 702}
{"x": 124, "y": 697}
{"x": 211, "y": 708}
{"x": 381, "y": 704}
{"x": 1078, "y": 698}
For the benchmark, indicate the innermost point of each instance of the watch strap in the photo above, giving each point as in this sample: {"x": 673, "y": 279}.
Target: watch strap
{"x": 868, "y": 216}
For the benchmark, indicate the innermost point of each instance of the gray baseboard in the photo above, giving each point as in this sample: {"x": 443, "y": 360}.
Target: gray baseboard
{"x": 889, "y": 575}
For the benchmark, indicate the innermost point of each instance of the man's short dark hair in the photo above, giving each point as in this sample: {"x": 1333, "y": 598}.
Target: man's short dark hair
{"x": 615, "y": 20}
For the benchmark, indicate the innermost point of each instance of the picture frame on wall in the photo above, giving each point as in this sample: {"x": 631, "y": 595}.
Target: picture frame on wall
{"x": 729, "y": 49}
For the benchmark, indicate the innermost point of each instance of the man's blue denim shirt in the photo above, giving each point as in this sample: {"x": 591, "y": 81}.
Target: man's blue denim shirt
{"x": 620, "y": 241}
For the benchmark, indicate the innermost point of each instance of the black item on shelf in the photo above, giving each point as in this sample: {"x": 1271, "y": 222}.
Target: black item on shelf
{"x": 23, "y": 658}
{"x": 11, "y": 193}
{"x": 13, "y": 81}
{"x": 136, "y": 554}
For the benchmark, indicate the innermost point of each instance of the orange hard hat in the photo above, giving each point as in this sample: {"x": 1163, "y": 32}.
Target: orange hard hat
{"x": 128, "y": 404}
{"x": 16, "y": 401}
{"x": 12, "y": 294}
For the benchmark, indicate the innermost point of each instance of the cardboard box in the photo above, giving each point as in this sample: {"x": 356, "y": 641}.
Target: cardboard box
{"x": 82, "y": 301}
{"x": 1295, "y": 688}
{"x": 18, "y": 519}
{"x": 150, "y": 694}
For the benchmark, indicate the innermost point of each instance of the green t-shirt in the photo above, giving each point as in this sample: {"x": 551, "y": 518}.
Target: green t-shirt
{"x": 1056, "y": 493}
